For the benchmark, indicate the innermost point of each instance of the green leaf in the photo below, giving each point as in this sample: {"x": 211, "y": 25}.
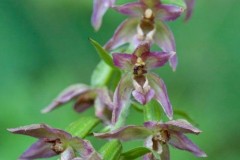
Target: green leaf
{"x": 134, "y": 153}
{"x": 152, "y": 111}
{"x": 103, "y": 53}
{"x": 101, "y": 75}
{"x": 180, "y": 3}
{"x": 83, "y": 126}
{"x": 111, "y": 150}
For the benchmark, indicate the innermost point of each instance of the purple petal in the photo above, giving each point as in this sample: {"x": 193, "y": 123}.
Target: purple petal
{"x": 161, "y": 93}
{"x": 123, "y": 34}
{"x": 121, "y": 97}
{"x": 40, "y": 149}
{"x": 99, "y": 9}
{"x": 190, "y": 5}
{"x": 103, "y": 106}
{"x": 40, "y": 131}
{"x": 165, "y": 152}
{"x": 131, "y": 9}
{"x": 180, "y": 141}
{"x": 143, "y": 98}
{"x": 182, "y": 126}
{"x": 123, "y": 60}
{"x": 165, "y": 40}
{"x": 167, "y": 12}
{"x": 157, "y": 59}
{"x": 126, "y": 133}
{"x": 67, "y": 95}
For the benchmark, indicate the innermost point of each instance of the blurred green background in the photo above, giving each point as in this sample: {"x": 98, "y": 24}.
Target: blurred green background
{"x": 44, "y": 48}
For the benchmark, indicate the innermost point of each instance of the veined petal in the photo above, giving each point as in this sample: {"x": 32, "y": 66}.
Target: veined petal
{"x": 99, "y": 9}
{"x": 168, "y": 12}
{"x": 40, "y": 131}
{"x": 40, "y": 149}
{"x": 151, "y": 124}
{"x": 160, "y": 93}
{"x": 182, "y": 126}
{"x": 121, "y": 97}
{"x": 190, "y": 5}
{"x": 123, "y": 34}
{"x": 68, "y": 94}
{"x": 131, "y": 9}
{"x": 157, "y": 59}
{"x": 165, "y": 40}
{"x": 124, "y": 60}
{"x": 126, "y": 133}
{"x": 180, "y": 141}
{"x": 165, "y": 152}
{"x": 142, "y": 50}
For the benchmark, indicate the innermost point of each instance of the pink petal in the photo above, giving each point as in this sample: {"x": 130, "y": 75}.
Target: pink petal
{"x": 65, "y": 96}
{"x": 99, "y": 9}
{"x": 182, "y": 126}
{"x": 40, "y": 149}
{"x": 126, "y": 133}
{"x": 180, "y": 141}
{"x": 190, "y": 5}
{"x": 165, "y": 40}
{"x": 121, "y": 97}
{"x": 123, "y": 34}
{"x": 157, "y": 59}
{"x": 167, "y": 12}
{"x": 131, "y": 9}
{"x": 124, "y": 60}
{"x": 161, "y": 93}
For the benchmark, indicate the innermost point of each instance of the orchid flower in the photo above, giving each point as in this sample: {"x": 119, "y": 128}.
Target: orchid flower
{"x": 99, "y": 9}
{"x": 146, "y": 23}
{"x": 85, "y": 97}
{"x": 138, "y": 81}
{"x": 158, "y": 135}
{"x": 52, "y": 142}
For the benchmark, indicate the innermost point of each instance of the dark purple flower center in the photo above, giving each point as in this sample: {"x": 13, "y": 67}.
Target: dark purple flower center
{"x": 57, "y": 146}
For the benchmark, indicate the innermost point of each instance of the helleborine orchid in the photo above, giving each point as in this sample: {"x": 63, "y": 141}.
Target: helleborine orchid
{"x": 138, "y": 81}
{"x": 146, "y": 24}
{"x": 85, "y": 97}
{"x": 99, "y": 9}
{"x": 52, "y": 142}
{"x": 157, "y": 136}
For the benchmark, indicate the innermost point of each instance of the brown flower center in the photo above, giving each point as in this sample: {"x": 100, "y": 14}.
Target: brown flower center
{"x": 57, "y": 146}
{"x": 139, "y": 67}
{"x": 162, "y": 136}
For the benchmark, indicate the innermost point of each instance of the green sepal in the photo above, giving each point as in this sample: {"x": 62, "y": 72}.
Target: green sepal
{"x": 152, "y": 111}
{"x": 111, "y": 150}
{"x": 179, "y": 3}
{"x": 83, "y": 126}
{"x": 101, "y": 75}
{"x": 134, "y": 153}
{"x": 105, "y": 56}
